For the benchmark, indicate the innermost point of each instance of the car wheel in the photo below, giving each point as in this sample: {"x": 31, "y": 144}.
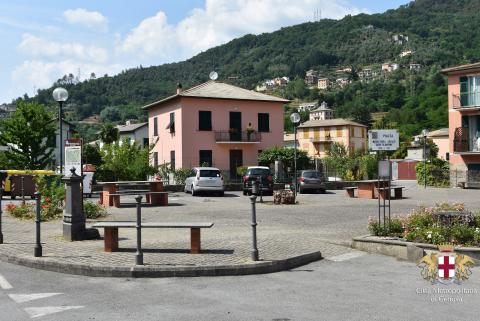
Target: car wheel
{"x": 193, "y": 191}
{"x": 221, "y": 194}
{"x": 322, "y": 191}
{"x": 185, "y": 189}
{"x": 244, "y": 192}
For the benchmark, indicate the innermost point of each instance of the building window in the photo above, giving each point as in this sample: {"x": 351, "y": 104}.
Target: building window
{"x": 205, "y": 120}
{"x": 206, "y": 158}
{"x": 155, "y": 159}
{"x": 155, "y": 126}
{"x": 145, "y": 142}
{"x": 263, "y": 122}
{"x": 339, "y": 132}
{"x": 306, "y": 133}
{"x": 171, "y": 123}
{"x": 172, "y": 160}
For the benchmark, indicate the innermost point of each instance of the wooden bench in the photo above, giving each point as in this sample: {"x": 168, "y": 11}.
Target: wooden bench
{"x": 350, "y": 191}
{"x": 153, "y": 198}
{"x": 397, "y": 190}
{"x": 110, "y": 234}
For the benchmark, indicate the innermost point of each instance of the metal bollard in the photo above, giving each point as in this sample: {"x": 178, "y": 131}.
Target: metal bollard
{"x": 38, "y": 245}
{"x": 22, "y": 179}
{"x": 260, "y": 189}
{"x": 1, "y": 231}
{"x": 253, "y": 199}
{"x": 139, "y": 254}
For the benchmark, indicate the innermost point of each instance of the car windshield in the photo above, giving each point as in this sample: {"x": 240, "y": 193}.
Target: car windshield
{"x": 259, "y": 171}
{"x": 209, "y": 173}
{"x": 311, "y": 174}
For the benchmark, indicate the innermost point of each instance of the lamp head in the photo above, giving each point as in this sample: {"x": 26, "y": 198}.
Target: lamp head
{"x": 60, "y": 94}
{"x": 425, "y": 132}
{"x": 295, "y": 118}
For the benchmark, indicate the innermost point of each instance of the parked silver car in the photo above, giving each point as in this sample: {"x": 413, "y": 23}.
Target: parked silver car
{"x": 311, "y": 180}
{"x": 205, "y": 179}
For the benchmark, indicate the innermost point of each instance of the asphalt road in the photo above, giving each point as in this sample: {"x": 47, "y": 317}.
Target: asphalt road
{"x": 357, "y": 286}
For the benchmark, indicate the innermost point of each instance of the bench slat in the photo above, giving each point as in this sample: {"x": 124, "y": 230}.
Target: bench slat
{"x": 131, "y": 224}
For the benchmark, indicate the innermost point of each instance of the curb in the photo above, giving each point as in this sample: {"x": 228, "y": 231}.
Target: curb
{"x": 398, "y": 248}
{"x": 261, "y": 267}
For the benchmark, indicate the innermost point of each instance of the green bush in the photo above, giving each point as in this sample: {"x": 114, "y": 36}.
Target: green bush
{"x": 93, "y": 210}
{"x": 241, "y": 170}
{"x": 427, "y": 225}
{"x": 23, "y": 211}
{"x": 180, "y": 175}
{"x": 52, "y": 191}
{"x": 438, "y": 174}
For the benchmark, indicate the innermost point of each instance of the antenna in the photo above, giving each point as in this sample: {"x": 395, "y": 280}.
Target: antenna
{"x": 213, "y": 75}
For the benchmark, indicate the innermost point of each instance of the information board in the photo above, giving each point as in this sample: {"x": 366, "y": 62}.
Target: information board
{"x": 384, "y": 139}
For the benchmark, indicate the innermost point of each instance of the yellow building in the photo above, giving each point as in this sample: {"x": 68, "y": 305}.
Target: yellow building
{"x": 316, "y": 136}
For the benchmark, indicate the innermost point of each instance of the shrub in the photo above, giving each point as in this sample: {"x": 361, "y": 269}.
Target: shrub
{"x": 52, "y": 191}
{"x": 93, "y": 210}
{"x": 241, "y": 170}
{"x": 24, "y": 211}
{"x": 395, "y": 228}
{"x": 463, "y": 234}
{"x": 180, "y": 175}
{"x": 438, "y": 174}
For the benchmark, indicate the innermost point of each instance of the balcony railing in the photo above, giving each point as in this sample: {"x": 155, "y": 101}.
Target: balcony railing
{"x": 463, "y": 143}
{"x": 467, "y": 100}
{"x": 237, "y": 136}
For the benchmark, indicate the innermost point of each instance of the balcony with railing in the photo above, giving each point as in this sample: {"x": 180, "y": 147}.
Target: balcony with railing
{"x": 244, "y": 137}
{"x": 463, "y": 143}
{"x": 466, "y": 100}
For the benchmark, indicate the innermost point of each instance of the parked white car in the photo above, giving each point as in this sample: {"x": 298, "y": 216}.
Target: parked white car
{"x": 205, "y": 179}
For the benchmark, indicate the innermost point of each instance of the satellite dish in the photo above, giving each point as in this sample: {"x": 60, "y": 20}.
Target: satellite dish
{"x": 213, "y": 75}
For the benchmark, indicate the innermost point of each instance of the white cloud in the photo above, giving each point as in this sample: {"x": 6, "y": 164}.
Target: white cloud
{"x": 89, "y": 19}
{"x": 221, "y": 21}
{"x": 40, "y": 74}
{"x": 37, "y": 47}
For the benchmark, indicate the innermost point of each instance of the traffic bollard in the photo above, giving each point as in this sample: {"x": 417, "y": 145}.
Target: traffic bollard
{"x": 38, "y": 245}
{"x": 253, "y": 199}
{"x": 139, "y": 254}
{"x": 1, "y": 231}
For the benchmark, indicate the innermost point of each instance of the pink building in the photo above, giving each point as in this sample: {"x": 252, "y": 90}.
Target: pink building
{"x": 440, "y": 138}
{"x": 216, "y": 124}
{"x": 464, "y": 121}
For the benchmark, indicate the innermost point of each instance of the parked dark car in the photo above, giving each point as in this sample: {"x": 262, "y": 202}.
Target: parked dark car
{"x": 311, "y": 180}
{"x": 263, "y": 174}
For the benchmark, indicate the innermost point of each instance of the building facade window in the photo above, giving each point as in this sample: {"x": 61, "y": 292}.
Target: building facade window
{"x": 172, "y": 160}
{"x": 205, "y": 120}
{"x": 145, "y": 142}
{"x": 155, "y": 159}
{"x": 263, "y": 122}
{"x": 171, "y": 123}
{"x": 155, "y": 126}
{"x": 206, "y": 158}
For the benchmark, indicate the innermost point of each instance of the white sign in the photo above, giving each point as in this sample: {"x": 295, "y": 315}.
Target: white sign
{"x": 73, "y": 158}
{"x": 385, "y": 139}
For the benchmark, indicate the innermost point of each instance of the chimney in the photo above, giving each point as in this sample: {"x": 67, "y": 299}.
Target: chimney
{"x": 179, "y": 88}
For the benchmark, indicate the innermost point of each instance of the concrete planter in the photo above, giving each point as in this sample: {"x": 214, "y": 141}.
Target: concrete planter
{"x": 402, "y": 249}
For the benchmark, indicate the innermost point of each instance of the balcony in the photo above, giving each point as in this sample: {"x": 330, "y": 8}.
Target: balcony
{"x": 242, "y": 137}
{"x": 324, "y": 139}
{"x": 463, "y": 144}
{"x": 466, "y": 101}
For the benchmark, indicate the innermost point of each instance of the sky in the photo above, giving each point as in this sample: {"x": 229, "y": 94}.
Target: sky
{"x": 40, "y": 41}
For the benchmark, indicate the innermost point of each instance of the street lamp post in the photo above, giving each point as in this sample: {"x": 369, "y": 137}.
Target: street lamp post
{"x": 425, "y": 134}
{"x": 60, "y": 95}
{"x": 295, "y": 118}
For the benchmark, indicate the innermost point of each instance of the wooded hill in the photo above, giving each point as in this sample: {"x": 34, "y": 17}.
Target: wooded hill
{"x": 441, "y": 33}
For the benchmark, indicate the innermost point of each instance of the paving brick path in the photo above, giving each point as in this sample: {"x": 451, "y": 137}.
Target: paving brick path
{"x": 319, "y": 223}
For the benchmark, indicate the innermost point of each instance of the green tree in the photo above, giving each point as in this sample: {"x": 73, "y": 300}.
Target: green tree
{"x": 286, "y": 155}
{"x": 109, "y": 134}
{"x": 92, "y": 155}
{"x": 30, "y": 135}
{"x": 125, "y": 161}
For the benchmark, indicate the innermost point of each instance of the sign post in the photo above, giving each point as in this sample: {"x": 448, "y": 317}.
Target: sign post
{"x": 384, "y": 140}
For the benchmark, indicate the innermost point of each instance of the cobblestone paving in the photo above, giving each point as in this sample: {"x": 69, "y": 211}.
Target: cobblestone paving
{"x": 318, "y": 223}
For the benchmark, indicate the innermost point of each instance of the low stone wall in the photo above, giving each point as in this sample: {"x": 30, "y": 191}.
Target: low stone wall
{"x": 398, "y": 248}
